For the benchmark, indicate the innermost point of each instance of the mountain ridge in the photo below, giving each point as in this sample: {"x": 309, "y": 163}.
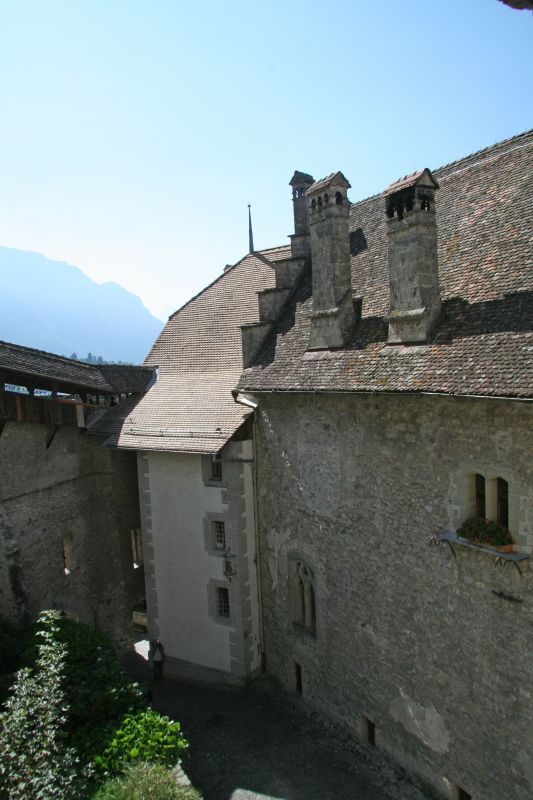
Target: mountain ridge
{"x": 55, "y": 306}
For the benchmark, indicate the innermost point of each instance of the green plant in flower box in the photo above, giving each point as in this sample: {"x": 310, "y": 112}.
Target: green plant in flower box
{"x": 485, "y": 531}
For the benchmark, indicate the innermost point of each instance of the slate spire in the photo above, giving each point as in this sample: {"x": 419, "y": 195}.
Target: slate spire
{"x": 250, "y": 232}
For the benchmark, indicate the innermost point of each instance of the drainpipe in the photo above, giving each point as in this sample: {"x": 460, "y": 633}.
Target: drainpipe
{"x": 245, "y": 401}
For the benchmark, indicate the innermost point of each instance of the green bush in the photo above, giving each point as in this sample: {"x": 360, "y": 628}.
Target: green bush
{"x": 145, "y": 782}
{"x": 97, "y": 688}
{"x": 142, "y": 736}
{"x": 35, "y": 761}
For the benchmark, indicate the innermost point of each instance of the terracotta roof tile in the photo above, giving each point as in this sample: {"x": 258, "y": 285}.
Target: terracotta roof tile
{"x": 482, "y": 344}
{"x": 198, "y": 356}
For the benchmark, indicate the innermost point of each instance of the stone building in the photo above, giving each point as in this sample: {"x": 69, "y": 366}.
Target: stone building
{"x": 393, "y": 403}
{"x": 381, "y": 374}
{"x": 68, "y": 507}
{"x": 196, "y": 473}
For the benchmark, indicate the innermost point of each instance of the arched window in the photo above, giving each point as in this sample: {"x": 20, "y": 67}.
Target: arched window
{"x": 338, "y": 199}
{"x": 303, "y": 598}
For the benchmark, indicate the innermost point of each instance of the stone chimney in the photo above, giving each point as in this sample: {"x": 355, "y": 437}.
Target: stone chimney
{"x": 413, "y": 270}
{"x": 300, "y": 240}
{"x": 333, "y": 315}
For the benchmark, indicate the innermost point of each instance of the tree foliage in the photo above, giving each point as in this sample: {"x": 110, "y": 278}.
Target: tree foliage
{"x": 35, "y": 761}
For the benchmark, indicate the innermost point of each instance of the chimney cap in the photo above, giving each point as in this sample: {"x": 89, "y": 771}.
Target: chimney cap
{"x": 423, "y": 177}
{"x": 301, "y": 177}
{"x": 335, "y": 179}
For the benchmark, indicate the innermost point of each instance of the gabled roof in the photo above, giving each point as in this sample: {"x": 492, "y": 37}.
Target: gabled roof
{"x": 423, "y": 177}
{"x": 198, "y": 356}
{"x": 483, "y": 341}
{"x": 335, "y": 179}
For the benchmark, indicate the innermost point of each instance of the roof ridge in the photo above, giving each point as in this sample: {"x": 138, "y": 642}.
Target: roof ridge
{"x": 483, "y": 152}
{"x": 256, "y": 253}
{"x": 268, "y": 249}
{"x": 83, "y": 364}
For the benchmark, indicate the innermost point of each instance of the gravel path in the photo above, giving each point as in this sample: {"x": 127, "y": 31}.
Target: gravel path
{"x": 258, "y": 743}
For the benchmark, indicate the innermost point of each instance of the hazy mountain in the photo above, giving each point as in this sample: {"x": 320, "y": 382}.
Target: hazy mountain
{"x": 53, "y": 306}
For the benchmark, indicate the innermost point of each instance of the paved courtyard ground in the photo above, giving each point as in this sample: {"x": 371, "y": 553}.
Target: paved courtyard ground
{"x": 259, "y": 744}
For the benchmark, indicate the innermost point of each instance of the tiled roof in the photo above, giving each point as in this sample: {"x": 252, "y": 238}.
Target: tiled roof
{"x": 483, "y": 342}
{"x": 277, "y": 253}
{"x": 44, "y": 370}
{"x": 410, "y": 180}
{"x": 199, "y": 360}
{"x": 336, "y": 177}
{"x": 125, "y": 378}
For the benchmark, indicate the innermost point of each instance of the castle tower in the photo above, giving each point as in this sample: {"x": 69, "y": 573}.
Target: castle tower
{"x": 333, "y": 316}
{"x": 300, "y": 240}
{"x": 413, "y": 267}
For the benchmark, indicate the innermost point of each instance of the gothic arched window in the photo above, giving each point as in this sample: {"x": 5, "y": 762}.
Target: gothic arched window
{"x": 302, "y": 595}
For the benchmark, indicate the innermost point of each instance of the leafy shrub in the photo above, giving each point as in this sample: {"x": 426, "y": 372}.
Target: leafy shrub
{"x": 35, "y": 762}
{"x": 142, "y": 736}
{"x": 485, "y": 531}
{"x": 146, "y": 782}
{"x": 97, "y": 688}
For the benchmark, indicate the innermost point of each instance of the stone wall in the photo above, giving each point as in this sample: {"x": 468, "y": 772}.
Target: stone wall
{"x": 431, "y": 646}
{"x": 59, "y": 488}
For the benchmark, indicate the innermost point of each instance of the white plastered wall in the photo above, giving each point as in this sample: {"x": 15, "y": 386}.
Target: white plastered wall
{"x": 182, "y": 567}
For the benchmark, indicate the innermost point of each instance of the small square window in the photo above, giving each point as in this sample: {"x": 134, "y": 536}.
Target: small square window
{"x": 220, "y": 535}
{"x": 223, "y": 601}
{"x": 216, "y": 468}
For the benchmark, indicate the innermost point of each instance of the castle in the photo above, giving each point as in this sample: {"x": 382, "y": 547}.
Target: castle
{"x": 319, "y": 424}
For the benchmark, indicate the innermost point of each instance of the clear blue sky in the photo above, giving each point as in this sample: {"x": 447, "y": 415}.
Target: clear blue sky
{"x": 135, "y": 133}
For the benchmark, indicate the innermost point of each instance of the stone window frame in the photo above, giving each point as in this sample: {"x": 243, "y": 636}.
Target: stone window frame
{"x": 213, "y": 603}
{"x": 207, "y": 471}
{"x": 472, "y": 497}
{"x": 211, "y": 518}
{"x": 303, "y": 606}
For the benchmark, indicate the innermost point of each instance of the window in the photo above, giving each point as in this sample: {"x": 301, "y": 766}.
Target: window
{"x": 490, "y": 511}
{"x": 216, "y": 468}
{"x": 303, "y": 599}
{"x": 481, "y": 504}
{"x": 219, "y": 530}
{"x": 223, "y": 601}
{"x": 370, "y": 731}
{"x": 298, "y": 677}
{"x": 69, "y": 562}
{"x": 137, "y": 547}
{"x": 502, "y": 502}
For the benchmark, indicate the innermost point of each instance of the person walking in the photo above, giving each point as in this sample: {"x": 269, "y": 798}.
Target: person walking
{"x": 158, "y": 656}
